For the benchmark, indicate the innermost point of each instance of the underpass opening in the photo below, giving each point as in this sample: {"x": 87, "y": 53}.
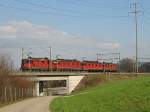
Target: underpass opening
{"x": 53, "y": 87}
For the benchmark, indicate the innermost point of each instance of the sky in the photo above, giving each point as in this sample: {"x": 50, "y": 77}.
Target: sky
{"x": 73, "y": 28}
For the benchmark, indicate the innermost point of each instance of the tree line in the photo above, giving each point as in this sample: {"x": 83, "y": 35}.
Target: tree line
{"x": 128, "y": 65}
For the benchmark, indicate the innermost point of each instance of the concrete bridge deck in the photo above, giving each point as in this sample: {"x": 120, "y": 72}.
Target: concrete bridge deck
{"x": 71, "y": 73}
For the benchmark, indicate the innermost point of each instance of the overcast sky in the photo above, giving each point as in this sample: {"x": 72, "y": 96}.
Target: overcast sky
{"x": 73, "y": 28}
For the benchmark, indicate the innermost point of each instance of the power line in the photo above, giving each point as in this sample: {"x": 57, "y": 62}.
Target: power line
{"x": 41, "y": 12}
{"x": 144, "y": 58}
{"x": 76, "y": 3}
{"x": 60, "y": 9}
{"x": 147, "y": 13}
{"x": 45, "y": 6}
{"x": 89, "y": 4}
{"x": 58, "y": 13}
{"x": 146, "y": 20}
{"x": 147, "y": 17}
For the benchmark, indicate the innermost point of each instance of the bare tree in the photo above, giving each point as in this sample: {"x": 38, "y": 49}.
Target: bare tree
{"x": 5, "y": 71}
{"x": 12, "y": 86}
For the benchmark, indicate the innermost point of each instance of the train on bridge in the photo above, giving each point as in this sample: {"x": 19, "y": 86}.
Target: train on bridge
{"x": 44, "y": 64}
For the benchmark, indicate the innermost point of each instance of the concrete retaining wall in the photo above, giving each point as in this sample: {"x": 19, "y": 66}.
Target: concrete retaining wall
{"x": 73, "y": 81}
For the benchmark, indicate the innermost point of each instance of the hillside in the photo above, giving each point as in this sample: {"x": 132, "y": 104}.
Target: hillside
{"x": 94, "y": 80}
{"x": 119, "y": 96}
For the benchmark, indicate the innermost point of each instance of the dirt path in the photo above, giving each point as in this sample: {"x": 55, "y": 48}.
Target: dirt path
{"x": 40, "y": 104}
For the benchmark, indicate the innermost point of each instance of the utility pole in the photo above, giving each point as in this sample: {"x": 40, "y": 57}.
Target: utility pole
{"x": 22, "y": 56}
{"x": 119, "y": 62}
{"x": 22, "y": 50}
{"x": 29, "y": 59}
{"x": 136, "y": 12}
{"x": 99, "y": 56}
{"x": 119, "y": 58}
{"x": 57, "y": 59}
{"x": 50, "y": 58}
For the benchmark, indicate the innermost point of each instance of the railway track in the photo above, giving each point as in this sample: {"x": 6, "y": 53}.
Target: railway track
{"x": 72, "y": 73}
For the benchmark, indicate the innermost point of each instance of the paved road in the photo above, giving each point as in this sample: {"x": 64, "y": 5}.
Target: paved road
{"x": 39, "y": 104}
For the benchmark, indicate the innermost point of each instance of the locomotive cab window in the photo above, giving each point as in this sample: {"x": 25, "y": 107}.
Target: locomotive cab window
{"x": 25, "y": 61}
{"x": 42, "y": 61}
{"x": 30, "y": 61}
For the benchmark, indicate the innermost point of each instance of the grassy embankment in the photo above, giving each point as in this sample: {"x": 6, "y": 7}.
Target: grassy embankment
{"x": 116, "y": 96}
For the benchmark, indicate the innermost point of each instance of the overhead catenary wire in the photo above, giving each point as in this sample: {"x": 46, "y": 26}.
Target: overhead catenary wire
{"x": 41, "y": 12}
{"x": 46, "y": 6}
{"x": 145, "y": 20}
{"x": 66, "y": 11}
{"x": 58, "y": 13}
{"x": 90, "y": 4}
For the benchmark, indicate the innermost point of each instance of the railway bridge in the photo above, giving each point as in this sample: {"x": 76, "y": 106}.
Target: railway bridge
{"x": 53, "y": 83}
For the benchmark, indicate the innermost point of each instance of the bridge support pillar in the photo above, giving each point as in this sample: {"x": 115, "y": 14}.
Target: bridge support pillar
{"x": 37, "y": 88}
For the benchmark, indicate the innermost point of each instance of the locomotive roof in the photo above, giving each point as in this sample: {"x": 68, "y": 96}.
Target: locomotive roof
{"x": 95, "y": 62}
{"x": 67, "y": 60}
{"x": 90, "y": 61}
{"x": 35, "y": 58}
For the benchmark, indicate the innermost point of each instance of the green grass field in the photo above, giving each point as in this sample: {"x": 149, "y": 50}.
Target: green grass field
{"x": 120, "y": 96}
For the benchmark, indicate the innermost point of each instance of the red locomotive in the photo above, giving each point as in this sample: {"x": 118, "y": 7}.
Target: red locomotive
{"x": 35, "y": 64}
{"x": 44, "y": 64}
{"x": 92, "y": 66}
{"x": 66, "y": 65}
